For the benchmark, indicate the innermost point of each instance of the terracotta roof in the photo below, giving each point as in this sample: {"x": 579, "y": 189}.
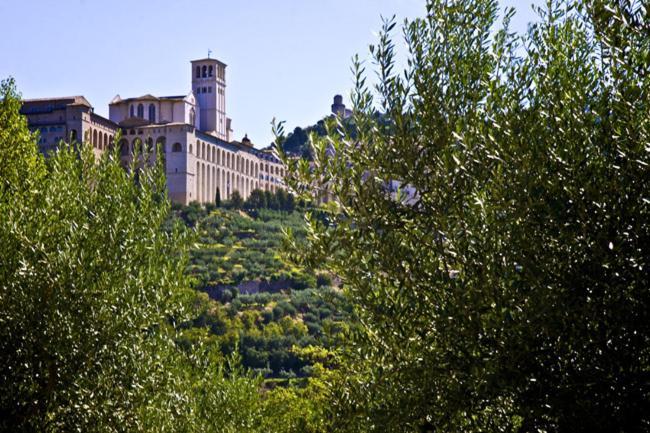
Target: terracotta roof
{"x": 206, "y": 59}
{"x": 148, "y": 97}
{"x": 68, "y": 100}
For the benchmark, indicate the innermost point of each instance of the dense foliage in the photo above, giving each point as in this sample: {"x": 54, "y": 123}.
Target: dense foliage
{"x": 235, "y": 247}
{"x": 92, "y": 285}
{"x": 262, "y": 306}
{"x": 510, "y": 291}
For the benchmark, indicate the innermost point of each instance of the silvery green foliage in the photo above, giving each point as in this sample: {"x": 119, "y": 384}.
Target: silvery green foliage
{"x": 91, "y": 288}
{"x": 512, "y": 294}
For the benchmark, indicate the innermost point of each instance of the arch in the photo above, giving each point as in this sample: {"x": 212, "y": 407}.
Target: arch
{"x": 131, "y": 111}
{"x": 73, "y": 135}
{"x": 208, "y": 181}
{"x": 192, "y": 117}
{"x": 191, "y": 148}
{"x": 110, "y": 142}
{"x": 94, "y": 138}
{"x": 218, "y": 171}
{"x": 198, "y": 72}
{"x": 160, "y": 144}
{"x": 210, "y": 71}
{"x": 203, "y": 181}
{"x": 149, "y": 145}
{"x": 204, "y": 71}
{"x": 141, "y": 111}
{"x": 197, "y": 180}
{"x": 105, "y": 141}
{"x": 152, "y": 113}
{"x": 124, "y": 147}
{"x": 176, "y": 147}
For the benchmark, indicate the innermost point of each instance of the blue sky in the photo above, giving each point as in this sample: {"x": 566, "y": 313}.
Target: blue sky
{"x": 286, "y": 58}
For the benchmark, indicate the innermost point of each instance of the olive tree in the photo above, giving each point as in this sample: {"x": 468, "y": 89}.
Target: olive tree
{"x": 489, "y": 219}
{"x": 92, "y": 286}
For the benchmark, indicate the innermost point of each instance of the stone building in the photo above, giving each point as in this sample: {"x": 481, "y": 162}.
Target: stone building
{"x": 69, "y": 118}
{"x": 192, "y": 131}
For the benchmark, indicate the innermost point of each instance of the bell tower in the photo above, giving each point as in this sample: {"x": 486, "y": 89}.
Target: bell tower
{"x": 209, "y": 87}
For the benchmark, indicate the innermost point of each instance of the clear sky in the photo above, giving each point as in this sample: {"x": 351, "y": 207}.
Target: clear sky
{"x": 286, "y": 58}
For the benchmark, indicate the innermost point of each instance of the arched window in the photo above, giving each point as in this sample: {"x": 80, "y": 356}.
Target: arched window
{"x": 105, "y": 141}
{"x": 131, "y": 111}
{"x": 205, "y": 71}
{"x": 141, "y": 111}
{"x": 210, "y": 71}
{"x": 152, "y": 113}
{"x": 73, "y": 135}
{"x": 95, "y": 138}
{"x": 149, "y": 143}
{"x": 198, "y": 72}
{"x": 191, "y": 149}
{"x": 177, "y": 147}
{"x": 124, "y": 147}
{"x": 192, "y": 116}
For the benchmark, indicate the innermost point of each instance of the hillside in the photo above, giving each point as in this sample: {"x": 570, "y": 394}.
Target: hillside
{"x": 250, "y": 299}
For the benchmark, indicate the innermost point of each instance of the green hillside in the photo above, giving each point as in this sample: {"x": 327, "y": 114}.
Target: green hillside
{"x": 288, "y": 310}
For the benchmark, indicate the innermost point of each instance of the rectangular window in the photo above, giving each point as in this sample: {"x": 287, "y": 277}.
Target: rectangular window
{"x": 210, "y": 89}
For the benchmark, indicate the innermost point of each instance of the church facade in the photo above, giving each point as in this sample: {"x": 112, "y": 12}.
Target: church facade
{"x": 191, "y": 131}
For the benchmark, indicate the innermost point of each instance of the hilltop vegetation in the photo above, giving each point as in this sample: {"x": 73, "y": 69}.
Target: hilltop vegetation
{"x": 287, "y": 310}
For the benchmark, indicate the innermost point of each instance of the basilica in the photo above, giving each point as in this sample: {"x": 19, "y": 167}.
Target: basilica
{"x": 192, "y": 130}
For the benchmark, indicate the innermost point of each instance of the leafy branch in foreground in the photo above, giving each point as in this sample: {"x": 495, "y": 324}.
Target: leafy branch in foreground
{"x": 492, "y": 225}
{"x": 92, "y": 286}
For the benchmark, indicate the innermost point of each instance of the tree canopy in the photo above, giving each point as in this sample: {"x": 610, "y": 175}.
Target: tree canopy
{"x": 93, "y": 290}
{"x": 492, "y": 225}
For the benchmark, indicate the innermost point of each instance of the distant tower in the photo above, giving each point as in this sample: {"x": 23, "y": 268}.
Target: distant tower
{"x": 338, "y": 107}
{"x": 209, "y": 86}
